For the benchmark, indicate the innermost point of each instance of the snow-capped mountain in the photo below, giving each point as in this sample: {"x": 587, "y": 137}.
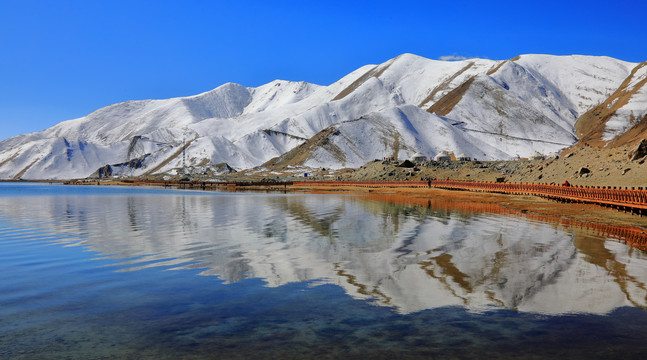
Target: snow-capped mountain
{"x": 485, "y": 109}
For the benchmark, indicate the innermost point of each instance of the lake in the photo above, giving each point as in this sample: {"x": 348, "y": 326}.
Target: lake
{"x": 104, "y": 272}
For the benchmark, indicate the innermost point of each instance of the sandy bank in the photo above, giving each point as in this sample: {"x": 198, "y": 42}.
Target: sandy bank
{"x": 527, "y": 206}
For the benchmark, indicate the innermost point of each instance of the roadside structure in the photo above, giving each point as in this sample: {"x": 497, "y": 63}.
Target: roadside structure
{"x": 418, "y": 158}
{"x": 442, "y": 156}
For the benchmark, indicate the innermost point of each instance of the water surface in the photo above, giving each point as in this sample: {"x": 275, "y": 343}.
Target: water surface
{"x": 105, "y": 272}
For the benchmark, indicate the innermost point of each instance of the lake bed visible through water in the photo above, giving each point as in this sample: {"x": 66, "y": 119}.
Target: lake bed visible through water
{"x": 91, "y": 272}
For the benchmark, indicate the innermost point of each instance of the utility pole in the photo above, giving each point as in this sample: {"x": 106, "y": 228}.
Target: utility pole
{"x": 184, "y": 151}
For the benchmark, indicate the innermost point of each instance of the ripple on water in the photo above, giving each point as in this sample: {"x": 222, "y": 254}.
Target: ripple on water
{"x": 89, "y": 275}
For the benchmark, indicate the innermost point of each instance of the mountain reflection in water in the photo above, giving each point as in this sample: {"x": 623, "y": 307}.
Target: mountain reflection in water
{"x": 409, "y": 254}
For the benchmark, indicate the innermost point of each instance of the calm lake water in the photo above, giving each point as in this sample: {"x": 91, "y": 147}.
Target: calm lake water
{"x": 110, "y": 272}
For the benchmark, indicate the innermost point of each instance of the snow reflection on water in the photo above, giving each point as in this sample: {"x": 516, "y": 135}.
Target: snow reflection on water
{"x": 83, "y": 275}
{"x": 407, "y": 255}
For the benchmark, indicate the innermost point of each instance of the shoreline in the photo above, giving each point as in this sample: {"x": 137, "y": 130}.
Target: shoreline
{"x": 529, "y": 206}
{"x": 522, "y": 204}
{"x": 617, "y": 225}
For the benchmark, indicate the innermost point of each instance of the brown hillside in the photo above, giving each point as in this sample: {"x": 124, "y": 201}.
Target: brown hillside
{"x": 301, "y": 153}
{"x": 170, "y": 158}
{"x": 446, "y": 104}
{"x": 496, "y": 68}
{"x": 590, "y": 126}
{"x": 374, "y": 72}
{"x": 11, "y": 158}
{"x": 443, "y": 85}
{"x": 24, "y": 170}
{"x": 633, "y": 135}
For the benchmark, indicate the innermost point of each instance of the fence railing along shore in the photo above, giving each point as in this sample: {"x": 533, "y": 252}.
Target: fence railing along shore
{"x": 627, "y": 199}
{"x": 632, "y": 200}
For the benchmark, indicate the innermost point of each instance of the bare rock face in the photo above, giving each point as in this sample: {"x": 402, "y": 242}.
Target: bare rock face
{"x": 224, "y": 168}
{"x": 640, "y": 151}
{"x": 103, "y": 172}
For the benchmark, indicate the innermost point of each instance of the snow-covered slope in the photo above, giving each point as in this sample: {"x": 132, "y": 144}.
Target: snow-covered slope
{"x": 486, "y": 109}
{"x": 621, "y": 117}
{"x": 635, "y": 107}
{"x": 516, "y": 111}
{"x": 397, "y": 132}
{"x": 584, "y": 80}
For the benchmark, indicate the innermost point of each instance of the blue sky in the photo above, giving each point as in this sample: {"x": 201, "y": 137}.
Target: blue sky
{"x": 63, "y": 59}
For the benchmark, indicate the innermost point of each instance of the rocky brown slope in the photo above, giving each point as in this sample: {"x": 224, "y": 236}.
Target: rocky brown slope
{"x": 581, "y": 165}
{"x": 584, "y": 165}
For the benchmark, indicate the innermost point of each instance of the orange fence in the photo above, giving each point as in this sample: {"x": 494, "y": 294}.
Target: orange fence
{"x": 634, "y": 199}
{"x": 627, "y": 199}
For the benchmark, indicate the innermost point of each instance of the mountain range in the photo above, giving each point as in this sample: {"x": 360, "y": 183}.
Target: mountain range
{"x": 485, "y": 109}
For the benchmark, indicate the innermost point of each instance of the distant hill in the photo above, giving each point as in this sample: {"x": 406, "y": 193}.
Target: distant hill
{"x": 485, "y": 109}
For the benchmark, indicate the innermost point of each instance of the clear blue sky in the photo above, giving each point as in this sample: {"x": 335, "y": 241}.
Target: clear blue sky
{"x": 63, "y": 59}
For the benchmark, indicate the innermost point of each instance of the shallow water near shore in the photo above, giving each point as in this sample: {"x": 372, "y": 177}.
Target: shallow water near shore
{"x": 94, "y": 272}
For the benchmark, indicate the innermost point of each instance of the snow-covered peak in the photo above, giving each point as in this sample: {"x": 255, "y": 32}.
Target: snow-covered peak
{"x": 278, "y": 93}
{"x": 629, "y": 104}
{"x": 522, "y": 105}
{"x": 415, "y": 78}
{"x": 584, "y": 80}
{"x": 540, "y": 95}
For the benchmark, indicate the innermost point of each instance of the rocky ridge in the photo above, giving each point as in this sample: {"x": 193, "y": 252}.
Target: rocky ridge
{"x": 489, "y": 110}
{"x": 579, "y": 165}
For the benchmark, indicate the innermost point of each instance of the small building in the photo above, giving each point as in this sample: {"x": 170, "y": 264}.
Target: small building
{"x": 442, "y": 156}
{"x": 463, "y": 157}
{"x": 536, "y": 156}
{"x": 417, "y": 158}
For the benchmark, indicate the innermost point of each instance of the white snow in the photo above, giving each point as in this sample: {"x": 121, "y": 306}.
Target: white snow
{"x": 409, "y": 262}
{"x": 528, "y": 105}
{"x": 584, "y": 80}
{"x": 627, "y": 116}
